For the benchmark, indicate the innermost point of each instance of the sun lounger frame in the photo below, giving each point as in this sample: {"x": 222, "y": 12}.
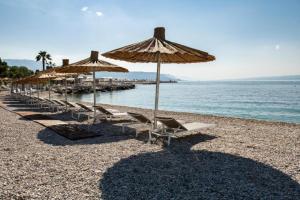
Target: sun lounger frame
{"x": 172, "y": 126}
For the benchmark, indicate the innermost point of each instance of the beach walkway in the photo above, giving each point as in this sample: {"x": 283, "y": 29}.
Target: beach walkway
{"x": 241, "y": 159}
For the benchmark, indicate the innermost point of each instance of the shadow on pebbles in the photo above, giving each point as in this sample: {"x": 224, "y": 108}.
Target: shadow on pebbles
{"x": 178, "y": 172}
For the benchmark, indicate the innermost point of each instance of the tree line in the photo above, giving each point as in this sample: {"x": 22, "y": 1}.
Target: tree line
{"x": 16, "y": 72}
{"x": 13, "y": 72}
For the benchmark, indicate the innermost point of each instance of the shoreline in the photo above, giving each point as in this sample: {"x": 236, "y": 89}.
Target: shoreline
{"x": 245, "y": 116}
{"x": 204, "y": 115}
{"x": 60, "y": 96}
{"x": 207, "y": 117}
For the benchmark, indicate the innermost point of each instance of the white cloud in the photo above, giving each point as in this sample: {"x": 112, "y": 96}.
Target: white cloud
{"x": 277, "y": 47}
{"x": 99, "y": 14}
{"x": 85, "y": 8}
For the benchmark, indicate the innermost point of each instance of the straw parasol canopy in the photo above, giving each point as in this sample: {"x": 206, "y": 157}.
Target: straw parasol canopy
{"x": 61, "y": 75}
{"x": 42, "y": 77}
{"x": 58, "y": 79}
{"x": 158, "y": 47}
{"x": 92, "y": 64}
{"x": 31, "y": 80}
{"x": 159, "y": 50}
{"x": 5, "y": 79}
{"x": 45, "y": 76}
{"x": 55, "y": 71}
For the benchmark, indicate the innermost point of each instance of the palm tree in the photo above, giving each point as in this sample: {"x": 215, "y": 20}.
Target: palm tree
{"x": 44, "y": 56}
{"x": 50, "y": 65}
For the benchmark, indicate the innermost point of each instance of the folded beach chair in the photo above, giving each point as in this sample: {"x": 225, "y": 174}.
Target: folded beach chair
{"x": 75, "y": 108}
{"x": 42, "y": 103}
{"x": 13, "y": 93}
{"x": 59, "y": 102}
{"x": 143, "y": 120}
{"x": 32, "y": 101}
{"x": 54, "y": 105}
{"x": 173, "y": 128}
{"x": 28, "y": 100}
{"x": 67, "y": 104}
{"x": 18, "y": 96}
{"x": 83, "y": 109}
{"x": 109, "y": 113}
{"x": 49, "y": 104}
{"x": 23, "y": 98}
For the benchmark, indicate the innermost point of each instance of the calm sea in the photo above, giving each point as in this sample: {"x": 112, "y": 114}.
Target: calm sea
{"x": 267, "y": 100}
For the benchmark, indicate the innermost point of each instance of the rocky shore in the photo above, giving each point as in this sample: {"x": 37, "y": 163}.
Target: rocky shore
{"x": 238, "y": 159}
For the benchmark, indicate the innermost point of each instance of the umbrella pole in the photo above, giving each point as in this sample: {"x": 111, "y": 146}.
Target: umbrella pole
{"x": 66, "y": 98}
{"x": 30, "y": 90}
{"x": 157, "y": 90}
{"x": 38, "y": 90}
{"x": 73, "y": 88}
{"x": 94, "y": 89}
{"x": 49, "y": 89}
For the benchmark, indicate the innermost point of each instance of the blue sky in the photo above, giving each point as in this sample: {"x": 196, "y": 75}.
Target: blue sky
{"x": 248, "y": 37}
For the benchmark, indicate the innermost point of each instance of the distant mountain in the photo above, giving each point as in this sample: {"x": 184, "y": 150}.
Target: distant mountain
{"x": 276, "y": 78}
{"x": 31, "y": 64}
{"x": 137, "y": 75}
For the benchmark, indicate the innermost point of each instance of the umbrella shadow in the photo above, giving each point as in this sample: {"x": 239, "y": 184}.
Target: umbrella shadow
{"x": 178, "y": 172}
{"x": 12, "y": 102}
{"x": 66, "y": 116}
{"x": 83, "y": 134}
{"x": 24, "y": 109}
{"x": 28, "y": 109}
{"x": 17, "y": 105}
{"x": 21, "y": 107}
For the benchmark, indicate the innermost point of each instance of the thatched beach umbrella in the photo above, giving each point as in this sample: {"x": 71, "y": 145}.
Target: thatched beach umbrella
{"x": 31, "y": 79}
{"x": 65, "y": 63}
{"x": 50, "y": 76}
{"x": 92, "y": 64}
{"x": 47, "y": 76}
{"x": 43, "y": 77}
{"x": 159, "y": 50}
{"x": 34, "y": 79}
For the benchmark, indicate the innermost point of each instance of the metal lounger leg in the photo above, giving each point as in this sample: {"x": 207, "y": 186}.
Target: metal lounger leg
{"x": 169, "y": 140}
{"x": 123, "y": 128}
{"x": 150, "y": 137}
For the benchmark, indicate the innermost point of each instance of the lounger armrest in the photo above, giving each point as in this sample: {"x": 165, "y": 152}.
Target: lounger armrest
{"x": 198, "y": 125}
{"x": 120, "y": 114}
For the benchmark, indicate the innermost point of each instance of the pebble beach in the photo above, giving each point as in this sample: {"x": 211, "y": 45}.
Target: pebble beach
{"x": 238, "y": 159}
{"x": 149, "y": 100}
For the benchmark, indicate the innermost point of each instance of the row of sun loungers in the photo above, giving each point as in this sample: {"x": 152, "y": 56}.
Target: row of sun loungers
{"x": 166, "y": 126}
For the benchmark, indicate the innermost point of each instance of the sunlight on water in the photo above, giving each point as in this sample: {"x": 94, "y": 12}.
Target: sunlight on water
{"x": 269, "y": 100}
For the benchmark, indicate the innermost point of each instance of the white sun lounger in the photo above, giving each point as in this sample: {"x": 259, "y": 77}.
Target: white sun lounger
{"x": 172, "y": 128}
{"x": 143, "y": 120}
{"x": 83, "y": 109}
{"x": 109, "y": 113}
{"x": 70, "y": 106}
